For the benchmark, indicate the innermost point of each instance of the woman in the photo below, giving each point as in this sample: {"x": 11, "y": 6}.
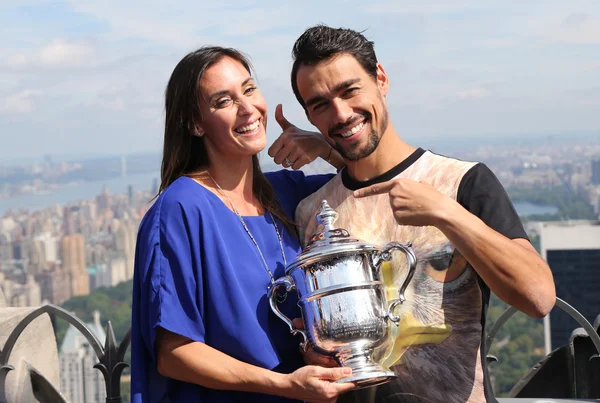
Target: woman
{"x": 217, "y": 235}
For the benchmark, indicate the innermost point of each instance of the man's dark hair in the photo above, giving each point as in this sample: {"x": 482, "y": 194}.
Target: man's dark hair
{"x": 320, "y": 43}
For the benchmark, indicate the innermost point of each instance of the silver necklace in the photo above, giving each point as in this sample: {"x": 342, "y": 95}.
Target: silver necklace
{"x": 279, "y": 297}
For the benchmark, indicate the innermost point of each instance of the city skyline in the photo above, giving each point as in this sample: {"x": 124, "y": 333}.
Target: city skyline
{"x": 79, "y": 78}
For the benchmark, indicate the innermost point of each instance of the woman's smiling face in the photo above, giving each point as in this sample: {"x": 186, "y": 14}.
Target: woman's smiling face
{"x": 233, "y": 110}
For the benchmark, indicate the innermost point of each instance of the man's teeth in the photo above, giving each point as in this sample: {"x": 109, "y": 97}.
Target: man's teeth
{"x": 249, "y": 128}
{"x": 355, "y": 129}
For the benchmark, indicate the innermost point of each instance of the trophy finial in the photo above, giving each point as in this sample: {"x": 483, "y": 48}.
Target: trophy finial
{"x": 327, "y": 216}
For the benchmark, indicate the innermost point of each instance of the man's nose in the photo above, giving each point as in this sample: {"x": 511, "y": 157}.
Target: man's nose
{"x": 342, "y": 111}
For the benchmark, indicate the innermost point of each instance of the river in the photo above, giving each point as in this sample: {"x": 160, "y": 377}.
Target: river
{"x": 89, "y": 190}
{"x": 79, "y": 191}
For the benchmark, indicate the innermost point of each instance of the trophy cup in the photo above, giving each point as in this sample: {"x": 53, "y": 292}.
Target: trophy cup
{"x": 343, "y": 299}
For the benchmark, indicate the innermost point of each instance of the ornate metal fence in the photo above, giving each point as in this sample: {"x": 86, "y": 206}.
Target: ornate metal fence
{"x": 579, "y": 372}
{"x": 110, "y": 355}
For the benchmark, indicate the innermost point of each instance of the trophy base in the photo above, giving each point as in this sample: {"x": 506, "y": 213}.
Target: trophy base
{"x": 372, "y": 375}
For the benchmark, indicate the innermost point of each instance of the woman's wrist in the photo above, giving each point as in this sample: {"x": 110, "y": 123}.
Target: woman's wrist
{"x": 282, "y": 385}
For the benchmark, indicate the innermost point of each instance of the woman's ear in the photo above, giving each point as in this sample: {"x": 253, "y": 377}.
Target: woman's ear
{"x": 197, "y": 130}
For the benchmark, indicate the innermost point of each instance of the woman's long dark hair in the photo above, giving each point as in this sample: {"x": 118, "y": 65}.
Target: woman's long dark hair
{"x": 185, "y": 153}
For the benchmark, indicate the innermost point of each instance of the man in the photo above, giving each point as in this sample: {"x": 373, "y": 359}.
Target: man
{"x": 465, "y": 232}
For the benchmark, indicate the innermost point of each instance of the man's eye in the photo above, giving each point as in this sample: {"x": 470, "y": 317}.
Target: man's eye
{"x": 319, "y": 106}
{"x": 351, "y": 91}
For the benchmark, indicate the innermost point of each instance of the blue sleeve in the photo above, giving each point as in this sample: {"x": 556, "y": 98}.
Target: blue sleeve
{"x": 309, "y": 184}
{"x": 297, "y": 184}
{"x": 171, "y": 286}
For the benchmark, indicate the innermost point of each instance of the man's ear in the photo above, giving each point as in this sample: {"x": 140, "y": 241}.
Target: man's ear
{"x": 308, "y": 116}
{"x": 383, "y": 83}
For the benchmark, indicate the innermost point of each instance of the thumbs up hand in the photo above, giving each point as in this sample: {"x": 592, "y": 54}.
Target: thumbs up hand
{"x": 296, "y": 147}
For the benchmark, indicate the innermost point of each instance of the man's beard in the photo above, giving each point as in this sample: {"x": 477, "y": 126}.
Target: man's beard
{"x": 357, "y": 152}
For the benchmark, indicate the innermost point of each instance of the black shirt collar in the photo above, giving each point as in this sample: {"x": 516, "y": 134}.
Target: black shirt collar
{"x": 352, "y": 184}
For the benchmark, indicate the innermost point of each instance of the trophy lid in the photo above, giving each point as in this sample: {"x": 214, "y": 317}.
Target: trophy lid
{"x": 329, "y": 242}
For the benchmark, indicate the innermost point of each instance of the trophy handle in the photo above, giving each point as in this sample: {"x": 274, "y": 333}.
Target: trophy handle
{"x": 385, "y": 256}
{"x": 288, "y": 282}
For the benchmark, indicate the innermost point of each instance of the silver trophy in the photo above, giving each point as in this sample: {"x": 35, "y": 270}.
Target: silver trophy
{"x": 343, "y": 299}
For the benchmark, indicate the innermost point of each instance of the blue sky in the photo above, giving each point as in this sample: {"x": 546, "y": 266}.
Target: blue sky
{"x": 87, "y": 77}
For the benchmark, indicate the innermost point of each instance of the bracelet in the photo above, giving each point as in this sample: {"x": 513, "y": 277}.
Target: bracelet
{"x": 329, "y": 155}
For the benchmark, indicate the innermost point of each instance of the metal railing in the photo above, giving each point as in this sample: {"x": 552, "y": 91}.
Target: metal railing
{"x": 110, "y": 355}
{"x": 561, "y": 304}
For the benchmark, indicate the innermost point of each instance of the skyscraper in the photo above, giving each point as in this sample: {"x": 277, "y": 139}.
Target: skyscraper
{"x": 79, "y": 380}
{"x": 572, "y": 250}
{"x": 596, "y": 171}
{"x": 104, "y": 199}
{"x": 155, "y": 184}
{"x": 131, "y": 195}
{"x": 55, "y": 285}
{"x": 124, "y": 238}
{"x": 72, "y": 249}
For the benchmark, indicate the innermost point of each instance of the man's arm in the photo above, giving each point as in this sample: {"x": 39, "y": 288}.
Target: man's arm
{"x": 512, "y": 268}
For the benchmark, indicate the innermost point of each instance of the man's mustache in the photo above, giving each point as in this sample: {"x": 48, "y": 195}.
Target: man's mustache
{"x": 340, "y": 126}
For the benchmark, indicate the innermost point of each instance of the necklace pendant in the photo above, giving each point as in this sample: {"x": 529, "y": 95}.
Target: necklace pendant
{"x": 280, "y": 298}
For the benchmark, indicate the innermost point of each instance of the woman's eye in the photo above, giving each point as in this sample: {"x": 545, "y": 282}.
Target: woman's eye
{"x": 249, "y": 90}
{"x": 223, "y": 102}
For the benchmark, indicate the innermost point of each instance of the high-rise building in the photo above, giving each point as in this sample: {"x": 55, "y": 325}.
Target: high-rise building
{"x": 72, "y": 220}
{"x": 72, "y": 249}
{"x": 596, "y": 171}
{"x": 124, "y": 243}
{"x": 131, "y": 195}
{"x": 572, "y": 250}
{"x": 104, "y": 199}
{"x": 79, "y": 380}
{"x": 55, "y": 285}
{"x": 21, "y": 295}
{"x": 6, "y": 246}
{"x": 155, "y": 184}
{"x": 37, "y": 256}
{"x": 110, "y": 274}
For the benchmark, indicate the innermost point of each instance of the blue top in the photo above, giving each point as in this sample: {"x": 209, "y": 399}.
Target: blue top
{"x": 198, "y": 274}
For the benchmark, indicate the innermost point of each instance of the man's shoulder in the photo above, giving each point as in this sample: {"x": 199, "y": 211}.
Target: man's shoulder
{"x": 445, "y": 163}
{"x": 310, "y": 205}
{"x": 439, "y": 170}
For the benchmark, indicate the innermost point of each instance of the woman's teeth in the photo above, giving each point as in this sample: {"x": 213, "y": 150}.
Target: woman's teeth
{"x": 249, "y": 128}
{"x": 354, "y": 130}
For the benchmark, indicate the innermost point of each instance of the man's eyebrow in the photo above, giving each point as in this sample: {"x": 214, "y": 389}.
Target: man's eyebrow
{"x": 341, "y": 86}
{"x": 226, "y": 92}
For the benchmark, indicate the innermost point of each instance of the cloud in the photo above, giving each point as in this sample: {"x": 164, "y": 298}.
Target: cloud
{"x": 428, "y": 8}
{"x": 58, "y": 53}
{"x": 473, "y": 93}
{"x": 21, "y": 102}
{"x": 576, "y": 19}
{"x": 184, "y": 26}
{"x": 574, "y": 29}
{"x": 101, "y": 67}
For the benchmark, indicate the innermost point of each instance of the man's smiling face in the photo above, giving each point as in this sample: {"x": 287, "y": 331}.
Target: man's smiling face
{"x": 346, "y": 104}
